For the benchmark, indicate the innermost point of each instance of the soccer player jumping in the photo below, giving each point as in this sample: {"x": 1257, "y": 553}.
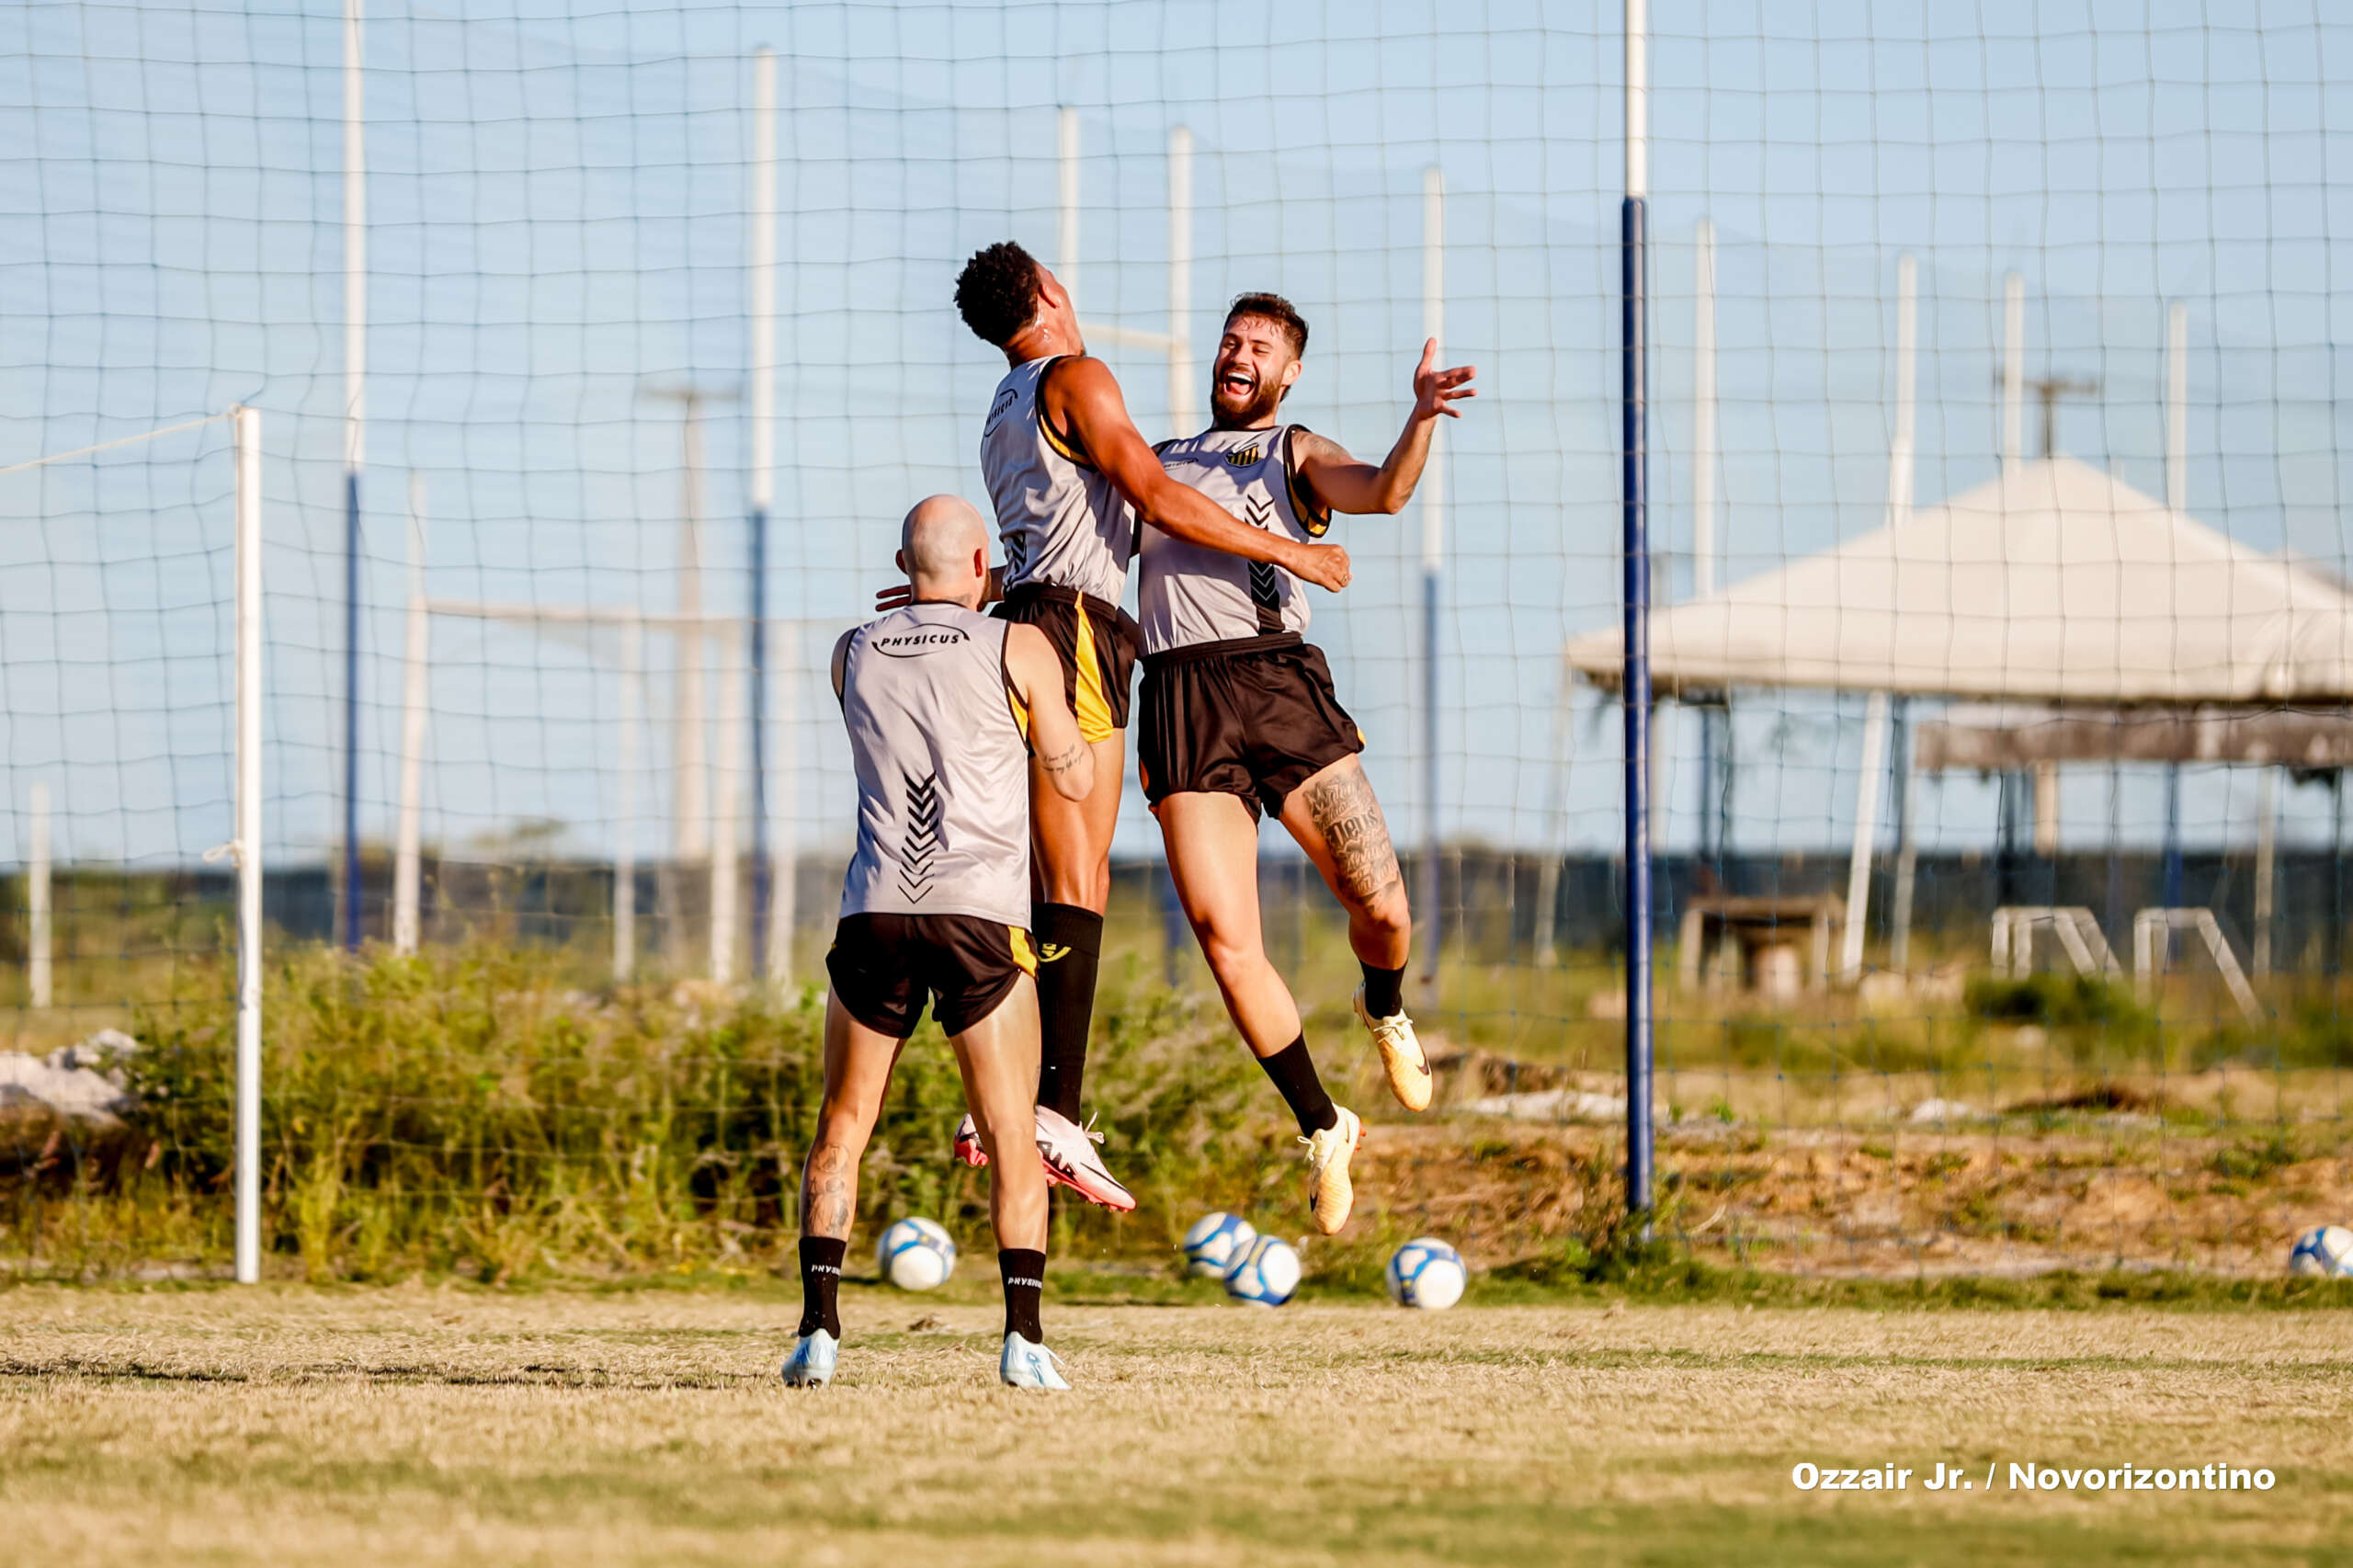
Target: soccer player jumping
{"x": 1240, "y": 718}
{"x": 949, "y": 713}
{"x": 1070, "y": 479}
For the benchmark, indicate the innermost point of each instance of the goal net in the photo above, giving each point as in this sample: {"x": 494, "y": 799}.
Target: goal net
{"x": 1994, "y": 448}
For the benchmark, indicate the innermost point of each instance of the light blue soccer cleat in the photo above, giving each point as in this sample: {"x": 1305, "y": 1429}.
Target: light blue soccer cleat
{"x": 811, "y": 1364}
{"x": 1027, "y": 1366}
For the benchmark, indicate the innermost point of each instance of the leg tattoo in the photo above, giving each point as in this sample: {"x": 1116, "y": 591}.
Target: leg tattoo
{"x": 824, "y": 1191}
{"x": 1345, "y": 812}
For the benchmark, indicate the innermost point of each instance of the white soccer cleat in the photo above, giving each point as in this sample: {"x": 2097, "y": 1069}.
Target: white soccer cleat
{"x": 1401, "y": 1055}
{"x": 968, "y": 1142}
{"x": 1027, "y": 1366}
{"x": 1330, "y": 1194}
{"x": 811, "y": 1365}
{"x": 1068, "y": 1150}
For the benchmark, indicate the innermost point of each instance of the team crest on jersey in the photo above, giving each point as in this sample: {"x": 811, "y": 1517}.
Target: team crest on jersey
{"x": 1247, "y": 456}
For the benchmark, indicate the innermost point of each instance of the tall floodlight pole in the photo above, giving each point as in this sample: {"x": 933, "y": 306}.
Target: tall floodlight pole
{"x": 1426, "y": 903}
{"x": 245, "y": 428}
{"x": 407, "y": 842}
{"x": 1636, "y": 683}
{"x": 354, "y": 410}
{"x": 761, "y": 482}
{"x": 1703, "y": 499}
{"x": 1902, "y": 464}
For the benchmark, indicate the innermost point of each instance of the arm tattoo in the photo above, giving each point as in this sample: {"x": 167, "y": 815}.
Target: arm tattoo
{"x": 826, "y": 1191}
{"x": 1345, "y": 812}
{"x": 1057, "y": 765}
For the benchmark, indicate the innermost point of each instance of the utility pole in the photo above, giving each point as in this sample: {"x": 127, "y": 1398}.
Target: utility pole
{"x": 690, "y": 804}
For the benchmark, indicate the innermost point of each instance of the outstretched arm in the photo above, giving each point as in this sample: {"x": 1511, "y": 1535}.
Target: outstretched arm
{"x": 1084, "y": 392}
{"x": 1036, "y": 674}
{"x": 1345, "y": 484}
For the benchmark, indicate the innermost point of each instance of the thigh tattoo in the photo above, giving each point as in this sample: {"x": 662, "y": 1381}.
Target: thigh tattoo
{"x": 1344, "y": 811}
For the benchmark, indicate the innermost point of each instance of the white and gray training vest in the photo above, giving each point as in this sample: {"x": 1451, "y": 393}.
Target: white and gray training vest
{"x": 1062, "y": 520}
{"x": 1188, "y": 595}
{"x": 943, "y": 768}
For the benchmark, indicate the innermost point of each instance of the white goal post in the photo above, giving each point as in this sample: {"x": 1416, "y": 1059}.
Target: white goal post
{"x": 243, "y": 848}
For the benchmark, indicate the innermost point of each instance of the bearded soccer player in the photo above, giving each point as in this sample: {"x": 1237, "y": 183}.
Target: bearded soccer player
{"x": 1240, "y": 718}
{"x": 949, "y": 711}
{"x": 1072, "y": 481}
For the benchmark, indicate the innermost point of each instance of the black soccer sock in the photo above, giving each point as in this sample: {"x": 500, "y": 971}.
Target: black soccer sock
{"x": 1293, "y": 1072}
{"x": 820, "y": 1283}
{"x": 1023, "y": 1270}
{"x": 1384, "y": 990}
{"x": 1070, "y": 950}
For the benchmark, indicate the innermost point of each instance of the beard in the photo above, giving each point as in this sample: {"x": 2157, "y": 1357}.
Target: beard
{"x": 1225, "y": 413}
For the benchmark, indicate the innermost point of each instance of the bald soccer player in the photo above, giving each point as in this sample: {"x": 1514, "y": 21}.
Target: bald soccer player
{"x": 948, "y": 711}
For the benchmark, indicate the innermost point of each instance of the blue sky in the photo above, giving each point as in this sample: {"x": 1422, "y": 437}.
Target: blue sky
{"x": 557, "y": 227}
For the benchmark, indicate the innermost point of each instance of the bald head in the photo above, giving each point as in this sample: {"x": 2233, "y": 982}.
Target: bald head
{"x": 944, "y": 550}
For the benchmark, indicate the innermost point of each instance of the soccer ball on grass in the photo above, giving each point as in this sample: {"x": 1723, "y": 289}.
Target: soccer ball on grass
{"x": 2324, "y": 1253}
{"x": 1265, "y": 1274}
{"x": 915, "y": 1255}
{"x": 1426, "y": 1273}
{"x": 1214, "y": 1242}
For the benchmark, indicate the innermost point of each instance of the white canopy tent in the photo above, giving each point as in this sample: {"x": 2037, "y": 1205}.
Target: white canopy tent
{"x": 2053, "y": 584}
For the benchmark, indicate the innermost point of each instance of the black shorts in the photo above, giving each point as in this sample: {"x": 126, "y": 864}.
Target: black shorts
{"x": 1256, "y": 717}
{"x": 885, "y": 967}
{"x": 1096, "y": 642}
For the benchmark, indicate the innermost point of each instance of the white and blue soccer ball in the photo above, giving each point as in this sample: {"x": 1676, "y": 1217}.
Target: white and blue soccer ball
{"x": 1214, "y": 1242}
{"x": 1426, "y": 1273}
{"x": 1264, "y": 1274}
{"x": 2324, "y": 1253}
{"x": 915, "y": 1255}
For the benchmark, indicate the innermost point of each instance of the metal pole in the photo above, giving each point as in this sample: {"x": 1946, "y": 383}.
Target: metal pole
{"x": 355, "y": 406}
{"x": 1181, "y": 408}
{"x": 691, "y": 804}
{"x": 407, "y": 851}
{"x": 245, "y": 433}
{"x": 625, "y": 836}
{"x": 1636, "y": 694}
{"x": 1858, "y": 862}
{"x": 2013, "y": 371}
{"x": 2178, "y": 407}
{"x": 1703, "y": 499}
{"x": 762, "y": 480}
{"x": 2173, "y": 842}
{"x": 1427, "y": 898}
{"x": 726, "y": 830}
{"x": 1908, "y": 851}
{"x": 2267, "y": 839}
{"x": 38, "y": 978}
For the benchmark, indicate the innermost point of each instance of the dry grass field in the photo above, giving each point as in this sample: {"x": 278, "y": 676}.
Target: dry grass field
{"x": 428, "y": 1425}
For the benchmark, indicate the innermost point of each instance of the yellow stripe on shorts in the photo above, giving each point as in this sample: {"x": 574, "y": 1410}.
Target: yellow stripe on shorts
{"x": 1021, "y": 953}
{"x": 1094, "y": 705}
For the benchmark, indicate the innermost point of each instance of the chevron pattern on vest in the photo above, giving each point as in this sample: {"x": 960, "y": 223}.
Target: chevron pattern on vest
{"x": 1266, "y": 589}
{"x": 922, "y": 844}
